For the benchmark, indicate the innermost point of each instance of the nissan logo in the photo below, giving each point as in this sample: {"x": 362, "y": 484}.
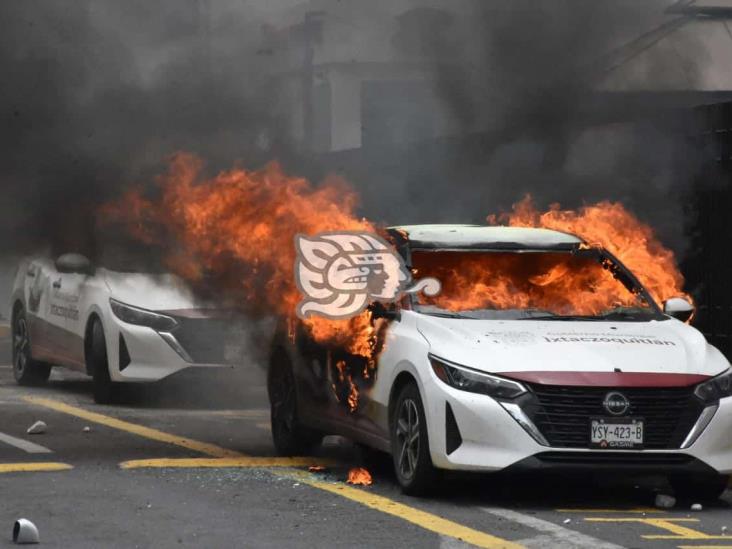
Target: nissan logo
{"x": 616, "y": 403}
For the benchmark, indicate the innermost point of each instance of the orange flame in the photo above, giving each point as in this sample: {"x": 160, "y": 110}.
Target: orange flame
{"x": 557, "y": 282}
{"x": 237, "y": 230}
{"x": 345, "y": 377}
{"x": 359, "y": 476}
{"x": 611, "y": 226}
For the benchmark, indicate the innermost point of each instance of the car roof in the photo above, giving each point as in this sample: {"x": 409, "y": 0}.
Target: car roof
{"x": 481, "y": 236}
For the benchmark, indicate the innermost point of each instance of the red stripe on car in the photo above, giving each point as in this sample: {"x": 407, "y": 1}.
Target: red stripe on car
{"x": 607, "y": 379}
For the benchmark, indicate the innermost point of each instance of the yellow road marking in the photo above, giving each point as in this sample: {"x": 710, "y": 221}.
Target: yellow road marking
{"x": 227, "y": 462}
{"x": 633, "y": 510}
{"x": 668, "y": 524}
{"x": 33, "y": 466}
{"x": 146, "y": 432}
{"x": 425, "y": 520}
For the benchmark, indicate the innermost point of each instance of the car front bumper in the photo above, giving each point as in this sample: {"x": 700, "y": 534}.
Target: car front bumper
{"x": 490, "y": 439}
{"x": 141, "y": 354}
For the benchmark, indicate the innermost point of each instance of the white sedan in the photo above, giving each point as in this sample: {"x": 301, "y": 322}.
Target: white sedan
{"x": 464, "y": 383}
{"x": 116, "y": 324}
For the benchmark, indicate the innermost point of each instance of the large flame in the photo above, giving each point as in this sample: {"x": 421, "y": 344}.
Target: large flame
{"x": 611, "y": 226}
{"x": 234, "y": 232}
{"x": 579, "y": 284}
{"x": 233, "y": 235}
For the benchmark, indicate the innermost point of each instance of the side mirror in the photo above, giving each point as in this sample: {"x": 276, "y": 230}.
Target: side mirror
{"x": 74, "y": 263}
{"x": 679, "y": 308}
{"x": 391, "y": 312}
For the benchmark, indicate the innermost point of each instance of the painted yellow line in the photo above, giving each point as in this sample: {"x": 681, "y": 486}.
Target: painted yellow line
{"x": 227, "y": 462}
{"x": 633, "y": 510}
{"x": 33, "y": 466}
{"x": 423, "y": 519}
{"x": 139, "y": 430}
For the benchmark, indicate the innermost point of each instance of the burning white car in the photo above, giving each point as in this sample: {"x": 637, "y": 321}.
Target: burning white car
{"x": 118, "y": 323}
{"x": 540, "y": 352}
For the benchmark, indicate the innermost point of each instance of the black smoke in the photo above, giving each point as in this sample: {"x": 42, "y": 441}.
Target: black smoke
{"x": 96, "y": 95}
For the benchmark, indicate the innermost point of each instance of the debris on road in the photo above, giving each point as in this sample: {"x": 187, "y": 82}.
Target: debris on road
{"x": 696, "y": 507}
{"x": 25, "y": 532}
{"x": 316, "y": 469}
{"x": 359, "y": 476}
{"x": 86, "y": 429}
{"x": 38, "y": 428}
{"x": 665, "y": 501}
{"x": 567, "y": 521}
{"x": 724, "y": 530}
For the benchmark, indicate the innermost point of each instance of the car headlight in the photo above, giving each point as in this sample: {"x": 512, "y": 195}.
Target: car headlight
{"x": 715, "y": 388}
{"x": 473, "y": 381}
{"x": 142, "y": 317}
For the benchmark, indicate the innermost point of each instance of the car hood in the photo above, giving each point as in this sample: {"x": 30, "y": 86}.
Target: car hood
{"x": 515, "y": 346}
{"x": 150, "y": 291}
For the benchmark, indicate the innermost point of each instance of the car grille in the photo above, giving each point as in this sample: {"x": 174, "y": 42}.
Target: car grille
{"x": 562, "y": 414}
{"x": 206, "y": 339}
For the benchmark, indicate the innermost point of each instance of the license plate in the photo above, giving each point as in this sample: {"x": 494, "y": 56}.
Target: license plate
{"x": 616, "y": 433}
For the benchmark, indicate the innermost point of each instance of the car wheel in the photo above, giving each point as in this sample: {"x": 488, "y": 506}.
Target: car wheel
{"x": 702, "y": 487}
{"x": 290, "y": 437}
{"x": 26, "y": 370}
{"x": 103, "y": 388}
{"x": 409, "y": 443}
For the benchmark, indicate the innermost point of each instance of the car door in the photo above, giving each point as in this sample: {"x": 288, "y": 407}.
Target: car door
{"x": 333, "y": 392}
{"x": 67, "y": 295}
{"x": 44, "y": 324}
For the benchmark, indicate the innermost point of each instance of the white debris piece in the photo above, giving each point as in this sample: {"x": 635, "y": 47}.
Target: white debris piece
{"x": 724, "y": 530}
{"x": 665, "y": 501}
{"x": 567, "y": 521}
{"x": 87, "y": 429}
{"x": 39, "y": 427}
{"x": 24, "y": 531}
{"x": 696, "y": 507}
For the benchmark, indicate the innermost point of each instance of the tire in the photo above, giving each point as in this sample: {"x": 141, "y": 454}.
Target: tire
{"x": 103, "y": 388}
{"x": 290, "y": 437}
{"x": 26, "y": 370}
{"x": 410, "y": 445}
{"x": 707, "y": 487}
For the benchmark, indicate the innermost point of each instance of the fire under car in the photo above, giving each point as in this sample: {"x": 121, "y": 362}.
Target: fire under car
{"x": 540, "y": 353}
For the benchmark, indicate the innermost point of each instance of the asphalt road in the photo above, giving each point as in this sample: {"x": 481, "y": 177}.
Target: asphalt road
{"x": 190, "y": 463}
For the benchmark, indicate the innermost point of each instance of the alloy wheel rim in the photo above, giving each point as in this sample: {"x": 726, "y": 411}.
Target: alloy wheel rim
{"x": 20, "y": 344}
{"x": 407, "y": 435}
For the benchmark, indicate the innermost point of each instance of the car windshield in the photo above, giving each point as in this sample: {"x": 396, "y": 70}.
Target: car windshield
{"x": 529, "y": 285}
